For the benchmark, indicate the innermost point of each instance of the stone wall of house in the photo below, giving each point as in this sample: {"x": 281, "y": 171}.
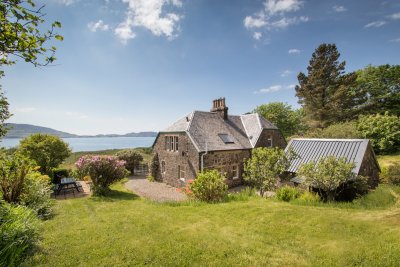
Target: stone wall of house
{"x": 277, "y": 138}
{"x": 369, "y": 169}
{"x": 225, "y": 161}
{"x": 186, "y": 157}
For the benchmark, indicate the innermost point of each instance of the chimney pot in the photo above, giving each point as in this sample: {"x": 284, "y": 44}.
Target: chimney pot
{"x": 219, "y": 106}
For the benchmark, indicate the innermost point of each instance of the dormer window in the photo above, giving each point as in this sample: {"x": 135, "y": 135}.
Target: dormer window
{"x": 226, "y": 138}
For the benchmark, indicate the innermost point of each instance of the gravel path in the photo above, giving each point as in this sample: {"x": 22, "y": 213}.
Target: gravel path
{"x": 153, "y": 190}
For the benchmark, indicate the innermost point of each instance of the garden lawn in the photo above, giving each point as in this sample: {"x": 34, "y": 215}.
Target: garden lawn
{"x": 124, "y": 230}
{"x": 386, "y": 160}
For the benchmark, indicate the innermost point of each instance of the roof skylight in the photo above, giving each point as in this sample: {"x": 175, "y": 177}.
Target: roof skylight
{"x": 226, "y": 138}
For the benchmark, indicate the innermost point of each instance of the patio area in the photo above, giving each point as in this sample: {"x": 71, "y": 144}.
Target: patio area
{"x": 84, "y": 191}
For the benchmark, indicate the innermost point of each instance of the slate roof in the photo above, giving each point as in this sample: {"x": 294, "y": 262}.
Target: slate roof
{"x": 307, "y": 150}
{"x": 203, "y": 128}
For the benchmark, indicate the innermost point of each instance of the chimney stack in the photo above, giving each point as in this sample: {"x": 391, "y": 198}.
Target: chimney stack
{"x": 220, "y": 108}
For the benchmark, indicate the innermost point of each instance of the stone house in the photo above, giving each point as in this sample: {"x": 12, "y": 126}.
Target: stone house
{"x": 212, "y": 140}
{"x": 357, "y": 151}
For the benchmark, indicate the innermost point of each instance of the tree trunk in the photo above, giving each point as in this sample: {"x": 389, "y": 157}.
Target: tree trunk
{"x": 330, "y": 196}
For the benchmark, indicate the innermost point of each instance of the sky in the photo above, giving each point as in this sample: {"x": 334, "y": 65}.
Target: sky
{"x": 139, "y": 65}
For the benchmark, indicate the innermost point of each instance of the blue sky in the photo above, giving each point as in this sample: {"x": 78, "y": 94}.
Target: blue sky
{"x": 138, "y": 65}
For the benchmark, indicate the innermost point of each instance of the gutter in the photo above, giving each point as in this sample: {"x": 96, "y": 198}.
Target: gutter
{"x": 202, "y": 158}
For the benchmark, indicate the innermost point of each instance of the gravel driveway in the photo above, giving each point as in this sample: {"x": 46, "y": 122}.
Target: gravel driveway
{"x": 153, "y": 190}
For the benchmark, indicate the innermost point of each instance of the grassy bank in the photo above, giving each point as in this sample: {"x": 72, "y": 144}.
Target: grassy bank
{"x": 124, "y": 230}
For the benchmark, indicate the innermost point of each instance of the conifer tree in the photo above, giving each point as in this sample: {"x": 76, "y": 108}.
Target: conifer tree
{"x": 327, "y": 94}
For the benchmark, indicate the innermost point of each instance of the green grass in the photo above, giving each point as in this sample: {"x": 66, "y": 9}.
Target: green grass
{"x": 386, "y": 160}
{"x": 70, "y": 161}
{"x": 125, "y": 230}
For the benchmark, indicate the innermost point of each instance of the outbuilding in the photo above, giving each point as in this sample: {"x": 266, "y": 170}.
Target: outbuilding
{"x": 357, "y": 151}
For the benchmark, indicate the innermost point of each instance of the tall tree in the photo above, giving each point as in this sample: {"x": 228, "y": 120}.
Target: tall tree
{"x": 326, "y": 93}
{"x": 381, "y": 88}
{"x": 4, "y": 113}
{"x": 22, "y": 36}
{"x": 21, "y": 33}
{"x": 289, "y": 121}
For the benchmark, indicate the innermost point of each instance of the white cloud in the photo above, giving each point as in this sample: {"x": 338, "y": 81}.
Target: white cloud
{"x": 25, "y": 109}
{"x": 76, "y": 115}
{"x": 375, "y": 24}
{"x": 177, "y": 3}
{"x": 395, "y": 16}
{"x": 67, "y": 2}
{"x": 273, "y": 16}
{"x": 251, "y": 22}
{"x": 257, "y": 35}
{"x": 282, "y": 6}
{"x": 275, "y": 88}
{"x": 285, "y": 22}
{"x": 286, "y": 73}
{"x": 339, "y": 8}
{"x": 397, "y": 40}
{"x": 99, "y": 25}
{"x": 149, "y": 15}
{"x": 294, "y": 51}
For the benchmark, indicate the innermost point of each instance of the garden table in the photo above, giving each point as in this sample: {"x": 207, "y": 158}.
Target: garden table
{"x": 65, "y": 183}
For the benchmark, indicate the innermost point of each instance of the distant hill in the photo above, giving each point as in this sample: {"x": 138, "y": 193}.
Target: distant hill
{"x": 23, "y": 130}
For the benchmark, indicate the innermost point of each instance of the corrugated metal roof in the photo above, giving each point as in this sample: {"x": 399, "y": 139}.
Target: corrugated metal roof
{"x": 307, "y": 150}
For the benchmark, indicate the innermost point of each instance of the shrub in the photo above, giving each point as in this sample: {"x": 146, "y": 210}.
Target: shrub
{"x": 78, "y": 174}
{"x": 287, "y": 193}
{"x": 13, "y": 170}
{"x": 48, "y": 151}
{"x": 154, "y": 166}
{"x": 339, "y": 130}
{"x": 150, "y": 178}
{"x": 264, "y": 167}
{"x": 132, "y": 159}
{"x": 282, "y": 115}
{"x": 328, "y": 175}
{"x": 58, "y": 173}
{"x": 103, "y": 170}
{"x": 18, "y": 233}
{"x": 242, "y": 195}
{"x": 209, "y": 186}
{"x": 37, "y": 194}
{"x": 393, "y": 173}
{"x": 382, "y": 130}
{"x": 308, "y": 198}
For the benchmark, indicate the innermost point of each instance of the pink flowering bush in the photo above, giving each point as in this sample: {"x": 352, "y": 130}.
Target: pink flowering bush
{"x": 103, "y": 170}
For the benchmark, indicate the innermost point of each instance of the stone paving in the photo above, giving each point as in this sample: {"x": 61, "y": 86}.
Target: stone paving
{"x": 153, "y": 190}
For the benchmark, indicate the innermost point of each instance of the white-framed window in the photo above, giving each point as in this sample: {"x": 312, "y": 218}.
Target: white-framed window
{"x": 176, "y": 147}
{"x": 171, "y": 143}
{"x": 167, "y": 143}
{"x": 269, "y": 141}
{"x": 181, "y": 172}
{"x": 235, "y": 172}
{"x": 162, "y": 167}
